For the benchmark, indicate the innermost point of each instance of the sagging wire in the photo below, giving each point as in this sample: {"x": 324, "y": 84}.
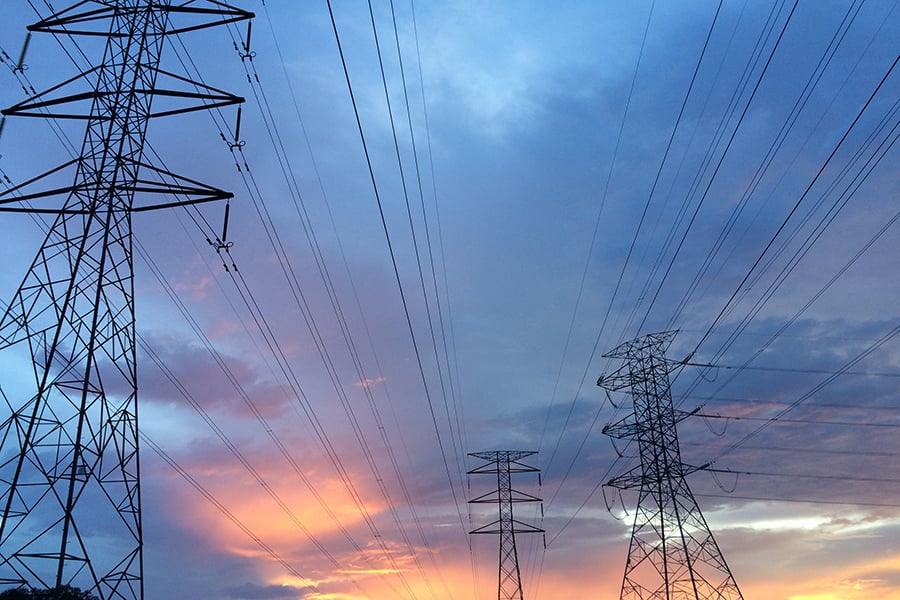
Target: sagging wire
{"x": 720, "y": 485}
{"x": 609, "y": 507}
{"x": 706, "y": 421}
{"x": 619, "y": 453}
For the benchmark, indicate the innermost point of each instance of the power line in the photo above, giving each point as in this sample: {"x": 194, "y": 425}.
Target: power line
{"x": 773, "y": 420}
{"x": 419, "y": 360}
{"x": 847, "y": 366}
{"x": 799, "y": 450}
{"x": 663, "y": 160}
{"x": 796, "y": 206}
{"x": 790, "y": 370}
{"x": 282, "y": 448}
{"x": 211, "y": 498}
{"x": 798, "y": 500}
{"x": 853, "y": 478}
{"x": 603, "y": 197}
{"x": 767, "y": 160}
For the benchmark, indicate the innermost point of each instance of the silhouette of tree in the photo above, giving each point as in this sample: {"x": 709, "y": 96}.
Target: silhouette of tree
{"x": 65, "y": 592}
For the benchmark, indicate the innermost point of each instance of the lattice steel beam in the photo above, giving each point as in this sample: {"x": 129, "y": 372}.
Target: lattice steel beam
{"x": 503, "y": 463}
{"x": 672, "y": 554}
{"x": 69, "y": 460}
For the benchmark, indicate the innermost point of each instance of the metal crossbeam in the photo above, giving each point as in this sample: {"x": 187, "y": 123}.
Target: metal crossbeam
{"x": 503, "y": 463}
{"x": 672, "y": 554}
{"x": 69, "y": 461}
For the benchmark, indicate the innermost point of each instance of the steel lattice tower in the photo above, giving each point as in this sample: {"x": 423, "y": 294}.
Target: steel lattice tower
{"x": 69, "y": 464}
{"x": 672, "y": 555}
{"x": 504, "y": 463}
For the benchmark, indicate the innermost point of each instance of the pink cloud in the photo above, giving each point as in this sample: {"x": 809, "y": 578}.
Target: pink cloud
{"x": 198, "y": 288}
{"x": 367, "y": 382}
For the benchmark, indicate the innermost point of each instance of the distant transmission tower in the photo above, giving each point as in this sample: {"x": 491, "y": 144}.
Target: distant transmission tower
{"x": 69, "y": 465}
{"x": 503, "y": 463}
{"x": 672, "y": 555}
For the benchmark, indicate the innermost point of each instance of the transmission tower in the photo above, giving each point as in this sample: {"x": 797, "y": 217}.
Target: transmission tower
{"x": 672, "y": 555}
{"x": 69, "y": 464}
{"x": 504, "y": 463}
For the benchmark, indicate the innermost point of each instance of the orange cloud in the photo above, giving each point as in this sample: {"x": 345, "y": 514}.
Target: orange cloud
{"x": 854, "y": 582}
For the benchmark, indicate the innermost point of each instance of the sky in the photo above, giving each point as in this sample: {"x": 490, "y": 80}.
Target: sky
{"x": 432, "y": 261}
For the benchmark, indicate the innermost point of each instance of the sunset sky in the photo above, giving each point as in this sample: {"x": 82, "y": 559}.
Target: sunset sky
{"x": 416, "y": 276}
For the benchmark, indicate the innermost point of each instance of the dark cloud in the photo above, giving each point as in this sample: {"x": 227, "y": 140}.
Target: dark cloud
{"x": 215, "y": 380}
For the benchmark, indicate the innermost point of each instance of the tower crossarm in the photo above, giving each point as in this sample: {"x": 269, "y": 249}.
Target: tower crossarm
{"x": 70, "y": 469}
{"x": 672, "y": 554}
{"x": 623, "y": 429}
{"x": 502, "y": 464}
{"x": 76, "y": 20}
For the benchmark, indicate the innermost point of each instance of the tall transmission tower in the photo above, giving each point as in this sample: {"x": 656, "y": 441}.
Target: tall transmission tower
{"x": 672, "y": 555}
{"x": 69, "y": 463}
{"x": 503, "y": 463}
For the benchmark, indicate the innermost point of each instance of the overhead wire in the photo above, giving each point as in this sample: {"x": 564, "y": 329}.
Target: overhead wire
{"x": 782, "y": 32}
{"x": 799, "y": 254}
{"x": 363, "y": 378}
{"x": 459, "y": 436}
{"x": 299, "y": 296}
{"x": 212, "y": 499}
{"x": 774, "y": 420}
{"x": 241, "y": 458}
{"x": 603, "y": 197}
{"x": 358, "y": 549}
{"x": 799, "y": 500}
{"x": 846, "y": 367}
{"x": 724, "y": 153}
{"x": 754, "y": 404}
{"x": 736, "y": 371}
{"x": 340, "y": 245}
{"x": 262, "y": 324}
{"x": 446, "y": 327}
{"x": 752, "y": 186}
{"x": 826, "y": 220}
{"x": 391, "y": 251}
{"x": 457, "y": 450}
{"x": 287, "y": 170}
{"x": 770, "y": 23}
{"x": 275, "y": 350}
{"x": 794, "y": 209}
{"x": 795, "y": 369}
{"x": 691, "y": 137}
{"x": 326, "y": 278}
{"x": 289, "y": 273}
{"x": 830, "y": 215}
{"x": 799, "y": 450}
{"x": 675, "y": 130}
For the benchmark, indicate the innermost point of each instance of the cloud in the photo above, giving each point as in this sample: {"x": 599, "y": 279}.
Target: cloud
{"x": 369, "y": 382}
{"x": 502, "y": 80}
{"x": 207, "y": 382}
{"x": 252, "y": 591}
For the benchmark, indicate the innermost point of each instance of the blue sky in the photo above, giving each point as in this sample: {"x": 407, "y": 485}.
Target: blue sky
{"x": 565, "y": 208}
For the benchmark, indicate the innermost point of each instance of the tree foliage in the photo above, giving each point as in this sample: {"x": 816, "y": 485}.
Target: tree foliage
{"x": 65, "y": 592}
